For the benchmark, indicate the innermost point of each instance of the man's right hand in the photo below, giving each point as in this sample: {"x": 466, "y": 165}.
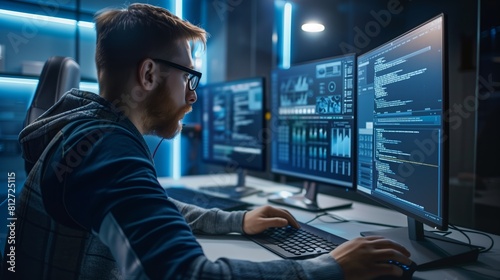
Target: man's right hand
{"x": 367, "y": 257}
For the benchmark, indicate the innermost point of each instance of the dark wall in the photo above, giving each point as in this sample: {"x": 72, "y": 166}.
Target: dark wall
{"x": 487, "y": 203}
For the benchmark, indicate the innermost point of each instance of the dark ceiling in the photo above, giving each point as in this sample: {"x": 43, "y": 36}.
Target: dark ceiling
{"x": 360, "y": 25}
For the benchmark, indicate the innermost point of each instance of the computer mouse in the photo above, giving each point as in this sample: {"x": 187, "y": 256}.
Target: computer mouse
{"x": 408, "y": 271}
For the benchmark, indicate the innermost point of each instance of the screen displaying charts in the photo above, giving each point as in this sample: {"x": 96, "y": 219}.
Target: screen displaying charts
{"x": 313, "y": 120}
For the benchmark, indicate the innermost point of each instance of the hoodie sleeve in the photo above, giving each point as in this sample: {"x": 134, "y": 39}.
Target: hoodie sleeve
{"x": 211, "y": 221}
{"x": 109, "y": 187}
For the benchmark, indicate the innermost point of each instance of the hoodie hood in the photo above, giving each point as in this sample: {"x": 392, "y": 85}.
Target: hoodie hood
{"x": 75, "y": 105}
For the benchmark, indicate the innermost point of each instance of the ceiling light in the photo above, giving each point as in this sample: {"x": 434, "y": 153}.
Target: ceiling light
{"x": 313, "y": 27}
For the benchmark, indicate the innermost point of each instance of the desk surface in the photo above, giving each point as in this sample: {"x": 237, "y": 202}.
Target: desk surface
{"x": 239, "y": 247}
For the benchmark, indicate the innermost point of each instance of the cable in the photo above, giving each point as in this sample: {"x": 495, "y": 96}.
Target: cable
{"x": 375, "y": 224}
{"x": 317, "y": 216}
{"x": 463, "y": 233}
{"x": 362, "y": 222}
{"x": 339, "y": 219}
{"x": 157, "y": 146}
{"x": 484, "y": 250}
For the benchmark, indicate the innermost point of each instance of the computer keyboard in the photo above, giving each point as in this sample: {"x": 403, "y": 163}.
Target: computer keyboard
{"x": 205, "y": 200}
{"x": 291, "y": 243}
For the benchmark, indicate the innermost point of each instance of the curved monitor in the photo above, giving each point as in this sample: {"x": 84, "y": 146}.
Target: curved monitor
{"x": 233, "y": 129}
{"x": 403, "y": 135}
{"x": 313, "y": 123}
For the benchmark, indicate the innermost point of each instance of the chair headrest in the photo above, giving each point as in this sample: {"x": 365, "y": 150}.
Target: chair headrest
{"x": 59, "y": 75}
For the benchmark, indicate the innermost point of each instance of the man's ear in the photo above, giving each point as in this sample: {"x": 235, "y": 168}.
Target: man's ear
{"x": 148, "y": 76}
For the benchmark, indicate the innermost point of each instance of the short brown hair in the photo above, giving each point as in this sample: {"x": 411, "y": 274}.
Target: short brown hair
{"x": 127, "y": 36}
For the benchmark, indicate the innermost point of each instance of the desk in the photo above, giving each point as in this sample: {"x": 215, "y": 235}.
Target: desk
{"x": 237, "y": 246}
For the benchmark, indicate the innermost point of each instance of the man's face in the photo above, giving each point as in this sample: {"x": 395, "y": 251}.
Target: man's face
{"x": 172, "y": 99}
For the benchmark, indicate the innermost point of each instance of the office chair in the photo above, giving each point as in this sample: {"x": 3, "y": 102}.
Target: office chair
{"x": 59, "y": 75}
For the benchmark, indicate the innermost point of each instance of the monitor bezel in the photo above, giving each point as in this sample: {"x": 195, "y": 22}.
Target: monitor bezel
{"x": 443, "y": 225}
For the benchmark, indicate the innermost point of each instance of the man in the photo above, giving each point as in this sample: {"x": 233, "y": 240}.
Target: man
{"x": 92, "y": 207}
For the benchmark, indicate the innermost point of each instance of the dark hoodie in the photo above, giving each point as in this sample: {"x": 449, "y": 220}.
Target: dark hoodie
{"x": 99, "y": 168}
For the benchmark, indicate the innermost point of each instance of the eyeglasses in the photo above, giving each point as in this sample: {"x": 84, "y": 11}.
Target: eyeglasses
{"x": 194, "y": 76}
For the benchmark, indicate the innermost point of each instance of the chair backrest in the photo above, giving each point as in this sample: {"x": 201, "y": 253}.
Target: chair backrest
{"x": 59, "y": 75}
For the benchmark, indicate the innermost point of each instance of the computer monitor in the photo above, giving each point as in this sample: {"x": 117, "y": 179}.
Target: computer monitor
{"x": 312, "y": 128}
{"x": 233, "y": 130}
{"x": 403, "y": 139}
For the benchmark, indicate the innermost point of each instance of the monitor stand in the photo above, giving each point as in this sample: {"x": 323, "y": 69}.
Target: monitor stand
{"x": 429, "y": 250}
{"x": 233, "y": 191}
{"x": 307, "y": 200}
